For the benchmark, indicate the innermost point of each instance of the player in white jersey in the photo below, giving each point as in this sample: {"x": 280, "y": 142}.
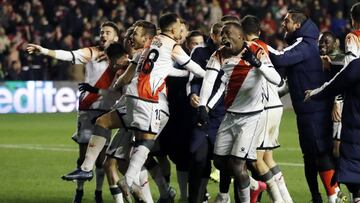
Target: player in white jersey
{"x": 142, "y": 96}
{"x": 243, "y": 80}
{"x": 267, "y": 169}
{"x": 98, "y": 73}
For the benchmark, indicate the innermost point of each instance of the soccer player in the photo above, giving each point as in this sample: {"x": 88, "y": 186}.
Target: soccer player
{"x": 202, "y": 139}
{"x": 302, "y": 64}
{"x": 243, "y": 78}
{"x": 100, "y": 75}
{"x": 346, "y": 82}
{"x": 333, "y": 61}
{"x": 265, "y": 165}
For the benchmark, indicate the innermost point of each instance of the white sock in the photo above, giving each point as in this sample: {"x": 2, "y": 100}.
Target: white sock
{"x": 280, "y": 181}
{"x": 254, "y": 184}
{"x": 145, "y": 186}
{"x": 160, "y": 181}
{"x": 100, "y": 174}
{"x": 274, "y": 190}
{"x": 137, "y": 160}
{"x": 116, "y": 193}
{"x": 244, "y": 194}
{"x": 79, "y": 185}
{"x": 96, "y": 144}
{"x": 182, "y": 177}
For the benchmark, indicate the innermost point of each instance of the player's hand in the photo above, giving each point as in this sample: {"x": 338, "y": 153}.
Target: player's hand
{"x": 33, "y": 48}
{"x": 251, "y": 58}
{"x": 202, "y": 117}
{"x": 308, "y": 94}
{"x": 326, "y": 61}
{"x": 86, "y": 87}
{"x": 336, "y": 112}
{"x": 194, "y": 100}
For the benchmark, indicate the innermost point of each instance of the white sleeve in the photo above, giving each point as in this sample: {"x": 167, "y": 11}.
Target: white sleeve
{"x": 212, "y": 70}
{"x": 268, "y": 71}
{"x": 76, "y": 57}
{"x": 185, "y": 61}
{"x": 351, "y": 48}
{"x": 175, "y": 72}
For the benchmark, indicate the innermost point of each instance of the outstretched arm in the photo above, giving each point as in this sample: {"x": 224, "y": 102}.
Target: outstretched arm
{"x": 79, "y": 56}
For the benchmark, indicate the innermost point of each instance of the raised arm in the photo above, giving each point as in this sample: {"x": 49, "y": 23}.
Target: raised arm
{"x": 212, "y": 70}
{"x": 289, "y": 56}
{"x": 345, "y": 79}
{"x": 80, "y": 56}
{"x": 180, "y": 56}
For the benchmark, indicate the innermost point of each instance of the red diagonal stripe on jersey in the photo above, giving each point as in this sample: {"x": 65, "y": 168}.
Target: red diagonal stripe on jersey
{"x": 236, "y": 80}
{"x": 104, "y": 82}
{"x": 238, "y": 77}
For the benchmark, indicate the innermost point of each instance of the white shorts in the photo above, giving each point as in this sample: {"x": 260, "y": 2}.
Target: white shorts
{"x": 121, "y": 144}
{"x": 86, "y": 127}
{"x": 145, "y": 116}
{"x": 337, "y": 130}
{"x": 238, "y": 135}
{"x": 269, "y": 140}
{"x": 337, "y": 126}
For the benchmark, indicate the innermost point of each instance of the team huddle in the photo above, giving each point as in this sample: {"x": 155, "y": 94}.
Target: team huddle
{"x": 171, "y": 93}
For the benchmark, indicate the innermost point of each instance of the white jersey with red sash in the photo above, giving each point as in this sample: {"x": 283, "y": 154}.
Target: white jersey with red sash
{"x": 352, "y": 46}
{"x": 97, "y": 74}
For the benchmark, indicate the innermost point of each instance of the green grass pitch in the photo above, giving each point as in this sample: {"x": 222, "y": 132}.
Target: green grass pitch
{"x": 36, "y": 149}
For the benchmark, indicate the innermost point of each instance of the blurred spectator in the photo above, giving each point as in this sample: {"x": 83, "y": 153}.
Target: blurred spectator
{"x": 55, "y": 23}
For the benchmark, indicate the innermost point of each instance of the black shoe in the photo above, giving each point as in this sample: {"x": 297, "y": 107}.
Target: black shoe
{"x": 78, "y": 174}
{"x": 170, "y": 198}
{"x": 78, "y": 196}
{"x": 317, "y": 199}
{"x": 98, "y": 196}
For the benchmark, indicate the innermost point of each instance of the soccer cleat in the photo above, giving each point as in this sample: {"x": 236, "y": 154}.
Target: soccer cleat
{"x": 78, "y": 196}
{"x": 98, "y": 197}
{"x": 215, "y": 176}
{"x": 254, "y": 194}
{"x": 342, "y": 198}
{"x": 222, "y": 198}
{"x": 125, "y": 190}
{"x": 78, "y": 174}
{"x": 170, "y": 198}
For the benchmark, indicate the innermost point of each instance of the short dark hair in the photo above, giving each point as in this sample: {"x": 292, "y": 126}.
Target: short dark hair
{"x": 166, "y": 20}
{"x": 329, "y": 34}
{"x": 149, "y": 28}
{"x": 298, "y": 16}
{"x": 234, "y": 24}
{"x": 229, "y": 18}
{"x": 194, "y": 33}
{"x": 250, "y": 24}
{"x": 355, "y": 12}
{"x": 115, "y": 50}
{"x": 216, "y": 28}
{"x": 113, "y": 25}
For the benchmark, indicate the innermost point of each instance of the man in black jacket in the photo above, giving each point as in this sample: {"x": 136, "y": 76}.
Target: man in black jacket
{"x": 302, "y": 65}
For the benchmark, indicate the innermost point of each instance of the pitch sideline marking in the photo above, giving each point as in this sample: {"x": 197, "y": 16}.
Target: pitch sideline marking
{"x": 62, "y": 148}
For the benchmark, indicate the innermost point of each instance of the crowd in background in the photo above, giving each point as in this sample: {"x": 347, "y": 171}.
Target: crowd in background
{"x": 72, "y": 24}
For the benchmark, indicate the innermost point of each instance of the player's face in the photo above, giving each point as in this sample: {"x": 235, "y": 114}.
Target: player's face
{"x": 184, "y": 32}
{"x": 194, "y": 41}
{"x": 327, "y": 45}
{"x": 177, "y": 31}
{"x": 232, "y": 39}
{"x": 120, "y": 63}
{"x": 107, "y": 36}
{"x": 289, "y": 25}
{"x": 138, "y": 38}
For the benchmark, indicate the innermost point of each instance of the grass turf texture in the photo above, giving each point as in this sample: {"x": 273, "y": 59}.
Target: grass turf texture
{"x": 36, "y": 149}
